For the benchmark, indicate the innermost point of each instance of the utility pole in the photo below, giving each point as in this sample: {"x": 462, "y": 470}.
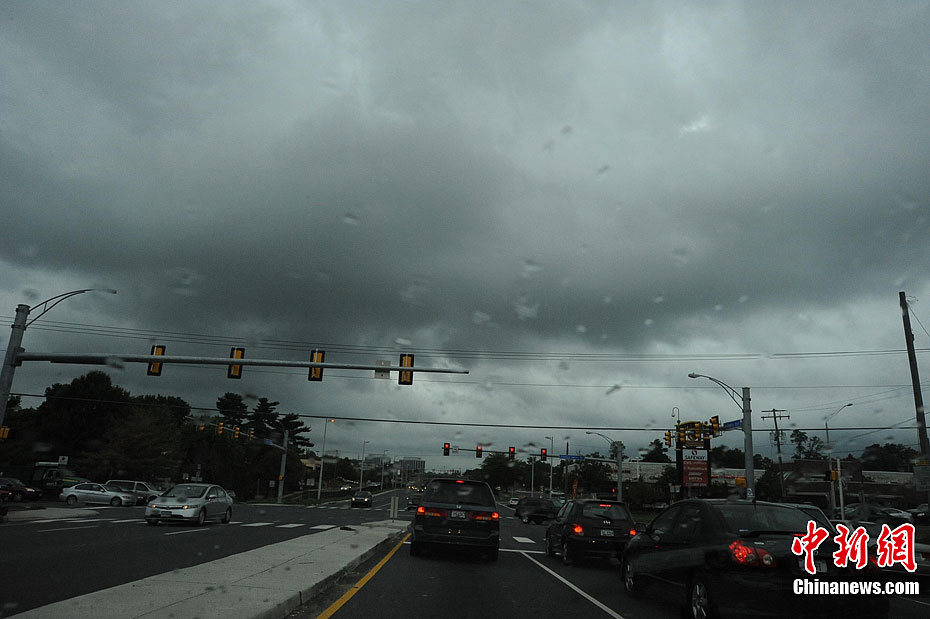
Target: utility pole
{"x": 775, "y": 417}
{"x": 915, "y": 380}
{"x": 283, "y": 465}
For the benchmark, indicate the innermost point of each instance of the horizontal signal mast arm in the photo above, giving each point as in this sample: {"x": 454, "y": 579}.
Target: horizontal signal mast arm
{"x": 116, "y": 359}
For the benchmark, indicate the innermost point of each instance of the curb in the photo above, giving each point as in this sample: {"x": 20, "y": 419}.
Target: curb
{"x": 323, "y": 586}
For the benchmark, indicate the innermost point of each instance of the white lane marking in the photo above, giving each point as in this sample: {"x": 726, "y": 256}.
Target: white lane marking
{"x": 531, "y": 552}
{"x": 128, "y": 520}
{"x": 325, "y": 526}
{"x": 93, "y": 526}
{"x": 524, "y": 540}
{"x": 574, "y": 588}
{"x": 289, "y": 526}
{"x": 257, "y": 524}
{"x": 188, "y": 531}
{"x": 45, "y": 521}
{"x": 237, "y": 522}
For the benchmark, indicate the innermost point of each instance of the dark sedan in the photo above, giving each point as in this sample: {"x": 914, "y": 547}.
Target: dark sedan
{"x": 457, "y": 512}
{"x": 734, "y": 559}
{"x": 589, "y": 529}
{"x": 361, "y": 499}
{"x": 18, "y": 490}
{"x": 532, "y": 509}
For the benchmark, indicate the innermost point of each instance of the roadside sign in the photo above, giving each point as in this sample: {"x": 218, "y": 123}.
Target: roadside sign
{"x": 570, "y": 457}
{"x": 455, "y": 449}
{"x": 922, "y": 476}
{"x": 736, "y": 424}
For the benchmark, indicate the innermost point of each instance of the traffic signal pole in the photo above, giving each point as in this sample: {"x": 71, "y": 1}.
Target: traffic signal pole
{"x": 9, "y": 360}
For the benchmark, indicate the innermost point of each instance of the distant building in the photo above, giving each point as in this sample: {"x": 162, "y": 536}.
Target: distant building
{"x": 410, "y": 466}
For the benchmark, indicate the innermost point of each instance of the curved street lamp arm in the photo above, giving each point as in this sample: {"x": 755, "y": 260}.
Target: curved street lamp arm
{"x": 61, "y": 297}
{"x": 730, "y": 390}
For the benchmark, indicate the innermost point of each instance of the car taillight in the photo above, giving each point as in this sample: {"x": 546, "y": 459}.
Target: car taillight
{"x": 632, "y": 532}
{"x": 578, "y": 529}
{"x": 484, "y": 516}
{"x": 429, "y": 511}
{"x": 744, "y": 554}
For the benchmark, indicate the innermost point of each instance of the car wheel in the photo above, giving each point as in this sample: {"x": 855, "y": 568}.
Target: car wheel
{"x": 699, "y": 602}
{"x": 71, "y": 500}
{"x": 525, "y": 519}
{"x": 550, "y": 551}
{"x": 630, "y": 581}
{"x": 227, "y": 516}
{"x": 151, "y": 522}
{"x": 17, "y": 496}
{"x": 116, "y": 502}
{"x": 416, "y": 549}
{"x": 567, "y": 559}
{"x": 201, "y": 517}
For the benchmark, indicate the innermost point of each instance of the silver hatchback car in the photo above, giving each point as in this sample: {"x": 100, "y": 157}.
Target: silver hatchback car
{"x": 190, "y": 503}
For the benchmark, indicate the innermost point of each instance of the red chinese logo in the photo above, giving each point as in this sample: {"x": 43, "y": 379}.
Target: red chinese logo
{"x": 892, "y": 546}
{"x": 806, "y": 544}
{"x": 852, "y": 547}
{"x": 897, "y": 546}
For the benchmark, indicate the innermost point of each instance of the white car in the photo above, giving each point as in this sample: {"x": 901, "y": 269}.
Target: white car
{"x": 190, "y": 503}
{"x": 96, "y": 493}
{"x": 513, "y": 501}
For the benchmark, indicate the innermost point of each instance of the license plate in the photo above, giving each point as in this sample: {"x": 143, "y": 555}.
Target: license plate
{"x": 164, "y": 513}
{"x": 607, "y": 532}
{"x": 820, "y": 565}
{"x": 457, "y": 514}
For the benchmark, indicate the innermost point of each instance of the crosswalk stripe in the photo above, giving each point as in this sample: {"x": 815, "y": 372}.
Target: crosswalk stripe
{"x": 524, "y": 540}
{"x": 289, "y": 526}
{"x": 257, "y": 524}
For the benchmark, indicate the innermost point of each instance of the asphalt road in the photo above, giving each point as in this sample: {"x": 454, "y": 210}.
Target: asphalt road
{"x": 524, "y": 582}
{"x": 45, "y": 561}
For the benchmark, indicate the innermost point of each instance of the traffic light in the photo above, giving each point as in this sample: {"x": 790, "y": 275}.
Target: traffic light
{"x": 236, "y": 433}
{"x": 681, "y": 435}
{"x": 478, "y": 451}
{"x": 200, "y": 426}
{"x": 219, "y": 428}
{"x": 251, "y": 434}
{"x": 512, "y": 451}
{"x": 715, "y": 425}
{"x": 4, "y": 432}
{"x": 830, "y": 475}
{"x": 155, "y": 367}
{"x": 405, "y": 377}
{"x": 668, "y": 438}
{"x": 235, "y": 371}
{"x": 445, "y": 449}
{"x": 542, "y": 454}
{"x": 316, "y": 356}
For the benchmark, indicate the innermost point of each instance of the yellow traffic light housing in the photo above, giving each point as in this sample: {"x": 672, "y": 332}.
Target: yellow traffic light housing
{"x": 715, "y": 425}
{"x": 405, "y": 377}
{"x": 668, "y": 438}
{"x": 236, "y": 432}
{"x": 235, "y": 371}
{"x": 219, "y": 428}
{"x": 316, "y": 356}
{"x": 155, "y": 366}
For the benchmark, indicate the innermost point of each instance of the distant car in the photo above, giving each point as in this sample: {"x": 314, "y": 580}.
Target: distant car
{"x": 513, "y": 501}
{"x": 18, "y": 490}
{"x": 920, "y": 514}
{"x": 532, "y": 509}
{"x": 232, "y": 495}
{"x": 877, "y": 514}
{"x": 346, "y": 487}
{"x": 702, "y": 551}
{"x": 140, "y": 489}
{"x": 90, "y": 492}
{"x": 589, "y": 528}
{"x": 190, "y": 503}
{"x": 457, "y": 512}
{"x": 361, "y": 499}
{"x": 413, "y": 499}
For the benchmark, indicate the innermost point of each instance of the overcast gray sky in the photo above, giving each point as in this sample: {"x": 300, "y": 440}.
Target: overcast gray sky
{"x": 620, "y": 192}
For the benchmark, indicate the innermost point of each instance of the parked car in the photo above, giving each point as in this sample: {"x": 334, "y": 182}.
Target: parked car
{"x": 190, "y": 503}
{"x": 361, "y": 499}
{"x": 413, "y": 499}
{"x": 920, "y": 514}
{"x": 89, "y": 492}
{"x": 877, "y": 514}
{"x": 140, "y": 489}
{"x": 589, "y": 528}
{"x": 730, "y": 558}
{"x": 18, "y": 490}
{"x": 457, "y": 512}
{"x": 513, "y": 502}
{"x": 534, "y": 509}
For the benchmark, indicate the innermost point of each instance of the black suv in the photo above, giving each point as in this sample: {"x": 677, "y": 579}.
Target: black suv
{"x": 532, "y": 509}
{"x": 457, "y": 512}
{"x": 589, "y": 528}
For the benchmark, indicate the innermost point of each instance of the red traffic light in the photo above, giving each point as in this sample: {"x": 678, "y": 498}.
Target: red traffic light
{"x": 513, "y": 452}
{"x": 445, "y": 449}
{"x": 478, "y": 451}
{"x": 542, "y": 454}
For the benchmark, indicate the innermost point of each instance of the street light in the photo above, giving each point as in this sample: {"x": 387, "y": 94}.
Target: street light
{"x": 16, "y": 339}
{"x": 743, "y": 403}
{"x": 361, "y": 465}
{"x": 551, "y": 452}
{"x": 619, "y": 461}
{"x": 383, "y": 456}
{"x": 319, "y": 489}
{"x": 827, "y": 428}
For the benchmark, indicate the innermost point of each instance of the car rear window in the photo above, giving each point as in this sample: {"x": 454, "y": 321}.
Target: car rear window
{"x": 763, "y": 517}
{"x": 611, "y": 511}
{"x": 454, "y": 492}
{"x": 186, "y": 490}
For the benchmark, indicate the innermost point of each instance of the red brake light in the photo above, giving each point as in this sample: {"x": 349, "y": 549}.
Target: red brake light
{"x": 744, "y": 554}
{"x": 459, "y": 481}
{"x": 436, "y": 513}
{"x": 484, "y": 515}
{"x": 632, "y": 532}
{"x": 578, "y": 529}
{"x": 605, "y": 505}
{"x": 421, "y": 510}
